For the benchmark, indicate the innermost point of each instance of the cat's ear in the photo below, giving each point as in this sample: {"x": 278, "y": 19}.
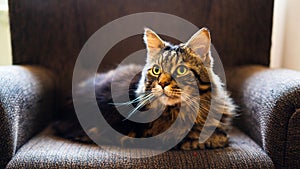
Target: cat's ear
{"x": 153, "y": 42}
{"x": 200, "y": 43}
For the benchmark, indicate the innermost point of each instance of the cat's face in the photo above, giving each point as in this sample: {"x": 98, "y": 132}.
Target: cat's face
{"x": 175, "y": 73}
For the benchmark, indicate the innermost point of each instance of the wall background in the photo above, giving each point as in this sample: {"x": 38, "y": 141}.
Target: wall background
{"x": 285, "y": 51}
{"x": 291, "y": 41}
{"x": 5, "y": 47}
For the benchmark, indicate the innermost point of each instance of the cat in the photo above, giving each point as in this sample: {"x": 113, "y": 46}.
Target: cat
{"x": 179, "y": 82}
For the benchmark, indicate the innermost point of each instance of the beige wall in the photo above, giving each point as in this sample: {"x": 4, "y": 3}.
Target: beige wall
{"x": 291, "y": 43}
{"x": 285, "y": 50}
{"x": 278, "y": 33}
{"x": 5, "y": 47}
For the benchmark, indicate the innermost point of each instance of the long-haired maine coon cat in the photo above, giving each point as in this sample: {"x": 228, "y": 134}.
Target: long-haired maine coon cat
{"x": 178, "y": 81}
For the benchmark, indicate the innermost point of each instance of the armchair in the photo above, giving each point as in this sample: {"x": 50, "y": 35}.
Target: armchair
{"x": 47, "y": 37}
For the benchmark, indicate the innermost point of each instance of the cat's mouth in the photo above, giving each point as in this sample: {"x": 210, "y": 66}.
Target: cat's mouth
{"x": 167, "y": 98}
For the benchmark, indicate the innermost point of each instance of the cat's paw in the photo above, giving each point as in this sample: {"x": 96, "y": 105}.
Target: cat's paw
{"x": 217, "y": 140}
{"x": 128, "y": 140}
{"x": 192, "y": 145}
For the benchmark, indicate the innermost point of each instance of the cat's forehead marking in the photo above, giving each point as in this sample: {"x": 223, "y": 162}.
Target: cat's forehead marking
{"x": 168, "y": 53}
{"x": 168, "y": 57}
{"x": 173, "y": 53}
{"x": 165, "y": 53}
{"x": 171, "y": 57}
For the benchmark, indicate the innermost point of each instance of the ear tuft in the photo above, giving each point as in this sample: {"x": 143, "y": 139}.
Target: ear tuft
{"x": 153, "y": 42}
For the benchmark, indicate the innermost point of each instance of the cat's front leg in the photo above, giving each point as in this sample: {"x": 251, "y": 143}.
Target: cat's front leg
{"x": 218, "y": 139}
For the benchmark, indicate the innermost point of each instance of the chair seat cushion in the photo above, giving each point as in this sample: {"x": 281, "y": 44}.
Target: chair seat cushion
{"x": 48, "y": 151}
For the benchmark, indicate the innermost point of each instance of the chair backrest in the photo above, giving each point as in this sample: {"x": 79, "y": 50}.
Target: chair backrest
{"x": 51, "y": 33}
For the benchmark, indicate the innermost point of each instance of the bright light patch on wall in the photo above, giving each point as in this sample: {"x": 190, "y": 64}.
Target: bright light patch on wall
{"x": 5, "y": 42}
{"x": 3, "y": 5}
{"x": 286, "y": 36}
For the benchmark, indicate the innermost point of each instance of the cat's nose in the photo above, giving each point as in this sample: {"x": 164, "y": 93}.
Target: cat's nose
{"x": 164, "y": 80}
{"x": 163, "y": 84}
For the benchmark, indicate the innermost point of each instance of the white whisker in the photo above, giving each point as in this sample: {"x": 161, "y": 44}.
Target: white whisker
{"x": 138, "y": 99}
{"x": 141, "y": 104}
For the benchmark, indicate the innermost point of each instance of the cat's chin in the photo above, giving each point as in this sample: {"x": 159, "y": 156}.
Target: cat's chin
{"x": 169, "y": 101}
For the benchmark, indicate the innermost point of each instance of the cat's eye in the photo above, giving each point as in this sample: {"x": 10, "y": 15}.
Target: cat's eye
{"x": 156, "y": 70}
{"x": 181, "y": 70}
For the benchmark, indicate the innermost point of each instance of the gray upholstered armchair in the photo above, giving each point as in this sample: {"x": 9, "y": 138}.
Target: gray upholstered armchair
{"x": 47, "y": 37}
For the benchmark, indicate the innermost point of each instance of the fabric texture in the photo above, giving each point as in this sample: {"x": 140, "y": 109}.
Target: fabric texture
{"x": 292, "y": 152}
{"x": 48, "y": 151}
{"x": 269, "y": 102}
{"x": 26, "y": 103}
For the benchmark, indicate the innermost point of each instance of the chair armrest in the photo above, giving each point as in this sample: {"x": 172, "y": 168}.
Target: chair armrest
{"x": 269, "y": 101}
{"x": 26, "y": 104}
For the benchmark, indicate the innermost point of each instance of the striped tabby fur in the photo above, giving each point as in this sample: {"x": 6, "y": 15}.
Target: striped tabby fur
{"x": 177, "y": 80}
